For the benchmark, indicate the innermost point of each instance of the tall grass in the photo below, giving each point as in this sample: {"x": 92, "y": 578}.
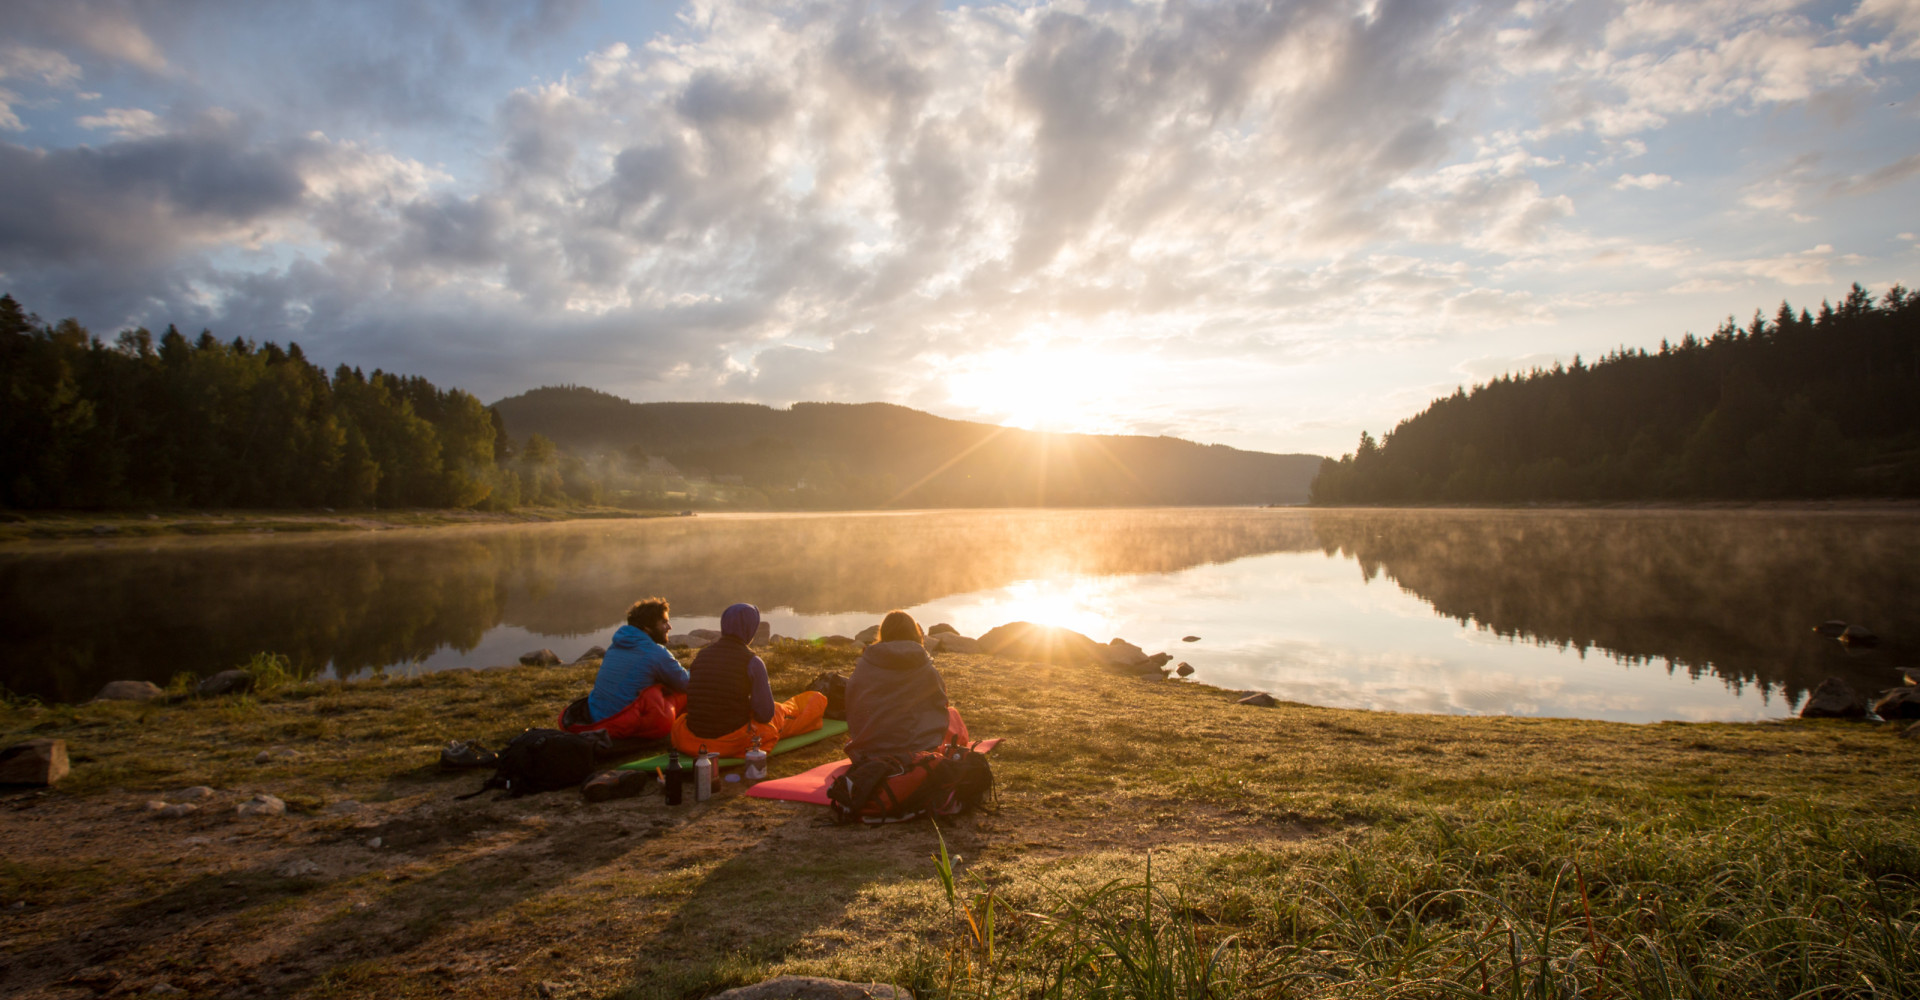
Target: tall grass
{"x": 1523, "y": 905}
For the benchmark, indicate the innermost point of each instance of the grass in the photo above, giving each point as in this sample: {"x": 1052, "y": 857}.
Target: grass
{"x": 1155, "y": 840}
{"x": 105, "y": 526}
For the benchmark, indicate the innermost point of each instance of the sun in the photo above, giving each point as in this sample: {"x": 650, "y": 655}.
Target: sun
{"x": 1059, "y": 388}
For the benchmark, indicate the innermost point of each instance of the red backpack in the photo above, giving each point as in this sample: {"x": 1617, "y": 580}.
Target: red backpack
{"x": 896, "y": 789}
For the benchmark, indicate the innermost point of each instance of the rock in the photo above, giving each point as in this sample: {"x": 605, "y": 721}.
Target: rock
{"x": 954, "y": 642}
{"x": 261, "y": 805}
{"x": 375, "y": 842}
{"x": 1189, "y": 638}
{"x": 35, "y": 762}
{"x": 263, "y": 757}
{"x": 762, "y": 635}
{"x": 98, "y": 977}
{"x": 1899, "y": 703}
{"x": 703, "y": 633}
{"x": 839, "y": 642}
{"x": 1861, "y": 636}
{"x": 813, "y": 988}
{"x": 1911, "y": 732}
{"x": 1043, "y": 644}
{"x": 1122, "y": 653}
{"x": 942, "y": 629}
{"x": 593, "y": 653}
{"x": 129, "y": 691}
{"x": 297, "y": 868}
{"x": 1185, "y": 669}
{"x": 867, "y": 636}
{"x": 163, "y": 810}
{"x": 1258, "y": 699}
{"x": 198, "y": 793}
{"x": 1831, "y": 628}
{"x": 540, "y": 658}
{"x": 690, "y": 642}
{"x": 225, "y": 682}
{"x": 1833, "y": 699}
{"x": 1154, "y": 662}
{"x": 164, "y": 989}
{"x": 343, "y": 807}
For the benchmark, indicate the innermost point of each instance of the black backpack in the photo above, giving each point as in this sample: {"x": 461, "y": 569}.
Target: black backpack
{"x": 542, "y": 760}
{"x": 834, "y": 686}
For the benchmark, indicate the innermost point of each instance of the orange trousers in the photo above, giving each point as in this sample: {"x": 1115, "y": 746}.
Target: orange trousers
{"x": 957, "y": 728}
{"x": 799, "y": 714}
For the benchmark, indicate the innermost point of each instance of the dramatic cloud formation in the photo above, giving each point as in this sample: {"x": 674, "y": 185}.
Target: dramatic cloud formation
{"x": 1269, "y": 224}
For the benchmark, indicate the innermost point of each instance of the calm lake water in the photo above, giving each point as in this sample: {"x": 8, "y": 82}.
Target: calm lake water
{"x": 1627, "y": 615}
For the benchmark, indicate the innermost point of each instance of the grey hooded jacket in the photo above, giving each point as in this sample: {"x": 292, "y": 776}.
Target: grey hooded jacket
{"x": 896, "y": 702}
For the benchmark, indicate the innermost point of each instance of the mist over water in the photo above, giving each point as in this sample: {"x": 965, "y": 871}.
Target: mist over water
{"x": 1631, "y": 615}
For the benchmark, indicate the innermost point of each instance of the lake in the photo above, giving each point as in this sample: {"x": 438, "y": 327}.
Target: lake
{"x": 1630, "y": 615}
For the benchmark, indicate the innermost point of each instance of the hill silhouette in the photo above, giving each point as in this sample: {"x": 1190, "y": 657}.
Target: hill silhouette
{"x": 877, "y": 455}
{"x": 1802, "y": 406}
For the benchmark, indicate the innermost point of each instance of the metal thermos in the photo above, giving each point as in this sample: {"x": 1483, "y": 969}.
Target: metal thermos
{"x": 672, "y": 780}
{"x": 756, "y": 760}
{"x": 703, "y": 777}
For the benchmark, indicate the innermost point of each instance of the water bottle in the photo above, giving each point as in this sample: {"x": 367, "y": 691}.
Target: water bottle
{"x": 756, "y": 760}
{"x": 672, "y": 779}
{"x": 703, "y": 776}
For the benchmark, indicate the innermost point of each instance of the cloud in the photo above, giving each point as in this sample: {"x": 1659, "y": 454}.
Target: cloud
{"x": 125, "y": 123}
{"x": 1642, "y": 182}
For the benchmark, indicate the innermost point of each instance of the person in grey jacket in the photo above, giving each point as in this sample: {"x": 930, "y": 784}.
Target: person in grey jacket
{"x": 896, "y": 702}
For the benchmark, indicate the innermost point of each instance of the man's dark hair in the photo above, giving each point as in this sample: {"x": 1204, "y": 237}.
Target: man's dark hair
{"x": 647, "y": 612}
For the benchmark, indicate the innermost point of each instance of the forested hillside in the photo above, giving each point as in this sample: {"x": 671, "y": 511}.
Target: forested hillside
{"x": 168, "y": 421}
{"x": 1800, "y": 406}
{"x": 875, "y": 454}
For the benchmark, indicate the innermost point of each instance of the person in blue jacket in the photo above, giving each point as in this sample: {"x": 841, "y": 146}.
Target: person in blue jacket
{"x": 639, "y": 678}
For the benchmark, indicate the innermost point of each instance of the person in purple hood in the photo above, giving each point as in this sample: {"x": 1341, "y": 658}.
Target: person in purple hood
{"x": 729, "y": 700}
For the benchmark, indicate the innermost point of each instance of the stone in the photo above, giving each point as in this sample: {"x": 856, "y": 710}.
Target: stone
{"x": 198, "y": 793}
{"x": 690, "y": 642}
{"x": 813, "y": 988}
{"x": 225, "y": 682}
{"x": 1043, "y": 644}
{"x": 344, "y": 807}
{"x": 375, "y": 842}
{"x": 1189, "y": 638}
{"x": 1185, "y": 669}
{"x": 703, "y": 633}
{"x": 1154, "y": 662}
{"x": 261, "y": 805}
{"x": 763, "y": 635}
{"x": 839, "y": 641}
{"x": 263, "y": 757}
{"x": 866, "y": 636}
{"x": 1861, "y": 636}
{"x": 1122, "y": 653}
{"x": 164, "y": 989}
{"x": 297, "y": 868}
{"x": 942, "y": 629}
{"x": 1258, "y": 699}
{"x": 129, "y": 691}
{"x": 34, "y": 762}
{"x": 1899, "y": 703}
{"x": 540, "y": 658}
{"x": 954, "y": 642}
{"x": 1833, "y": 699}
{"x": 175, "y": 810}
{"x": 593, "y": 653}
{"x": 1911, "y": 732}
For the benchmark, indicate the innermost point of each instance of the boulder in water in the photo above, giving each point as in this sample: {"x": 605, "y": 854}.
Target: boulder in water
{"x": 867, "y": 636}
{"x": 1189, "y": 638}
{"x": 593, "y": 653}
{"x": 540, "y": 658}
{"x": 1043, "y": 644}
{"x": 1121, "y": 653}
{"x": 1899, "y": 703}
{"x": 1185, "y": 669}
{"x": 1833, "y": 699}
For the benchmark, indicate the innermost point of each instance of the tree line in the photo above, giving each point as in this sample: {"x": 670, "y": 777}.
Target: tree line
{"x": 169, "y": 421}
{"x": 1803, "y": 405}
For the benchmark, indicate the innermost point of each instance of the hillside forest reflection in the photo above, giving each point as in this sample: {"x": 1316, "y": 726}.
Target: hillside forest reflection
{"x": 1635, "y": 615}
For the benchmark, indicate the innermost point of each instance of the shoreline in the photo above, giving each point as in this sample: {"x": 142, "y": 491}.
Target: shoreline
{"x": 54, "y": 527}
{"x": 377, "y": 882}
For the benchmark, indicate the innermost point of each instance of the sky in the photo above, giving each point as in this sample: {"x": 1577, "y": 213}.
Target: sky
{"x": 1268, "y": 225}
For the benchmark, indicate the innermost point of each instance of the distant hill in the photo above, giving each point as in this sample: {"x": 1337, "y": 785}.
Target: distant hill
{"x": 1803, "y": 406}
{"x": 878, "y": 454}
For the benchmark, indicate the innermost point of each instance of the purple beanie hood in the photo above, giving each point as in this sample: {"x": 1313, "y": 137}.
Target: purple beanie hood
{"x": 740, "y": 621}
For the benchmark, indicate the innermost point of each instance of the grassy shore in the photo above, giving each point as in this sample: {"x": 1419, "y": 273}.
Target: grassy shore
{"x": 22, "y": 526}
{"x": 1154, "y": 839}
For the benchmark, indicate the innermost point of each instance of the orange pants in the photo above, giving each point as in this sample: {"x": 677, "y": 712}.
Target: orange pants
{"x": 799, "y": 714}
{"x": 957, "y": 728}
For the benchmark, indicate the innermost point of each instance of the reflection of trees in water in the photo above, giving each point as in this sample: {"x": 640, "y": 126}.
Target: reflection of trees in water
{"x": 1733, "y": 593}
{"x": 72, "y": 621}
